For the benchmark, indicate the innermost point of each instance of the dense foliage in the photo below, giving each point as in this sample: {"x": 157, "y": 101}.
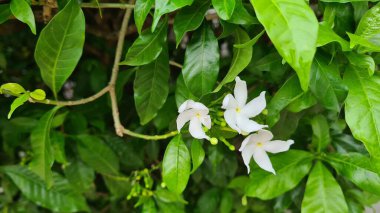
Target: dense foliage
{"x": 92, "y": 92}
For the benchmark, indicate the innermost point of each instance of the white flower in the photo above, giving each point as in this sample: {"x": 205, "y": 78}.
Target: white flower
{"x": 258, "y": 144}
{"x": 197, "y": 114}
{"x": 237, "y": 112}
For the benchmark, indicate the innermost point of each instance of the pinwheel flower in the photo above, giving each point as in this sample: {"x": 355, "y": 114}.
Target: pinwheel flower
{"x": 257, "y": 145}
{"x": 197, "y": 114}
{"x": 238, "y": 111}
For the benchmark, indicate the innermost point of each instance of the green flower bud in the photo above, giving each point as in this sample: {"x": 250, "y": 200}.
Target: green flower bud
{"x": 214, "y": 141}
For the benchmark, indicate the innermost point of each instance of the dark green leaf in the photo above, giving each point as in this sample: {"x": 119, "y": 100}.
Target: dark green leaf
{"x": 19, "y": 101}
{"x": 22, "y": 11}
{"x": 241, "y": 15}
{"x": 321, "y": 132}
{"x": 201, "y": 67}
{"x": 182, "y": 93}
{"x": 251, "y": 42}
{"x": 5, "y": 13}
{"x": 226, "y": 202}
{"x": 323, "y": 193}
{"x": 60, "y": 46}
{"x": 176, "y": 165}
{"x": 197, "y": 154}
{"x": 291, "y": 167}
{"x": 166, "y": 6}
{"x": 141, "y": 10}
{"x": 118, "y": 186}
{"x": 224, "y": 8}
{"x": 209, "y": 201}
{"x": 303, "y": 102}
{"x": 58, "y": 145}
{"x": 149, "y": 206}
{"x": 79, "y": 175}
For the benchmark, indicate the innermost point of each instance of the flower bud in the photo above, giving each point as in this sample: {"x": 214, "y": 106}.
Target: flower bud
{"x": 214, "y": 141}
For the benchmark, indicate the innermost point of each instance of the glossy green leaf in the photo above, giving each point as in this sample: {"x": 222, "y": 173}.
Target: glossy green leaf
{"x": 323, "y": 193}
{"x": 38, "y": 94}
{"x": 368, "y": 27}
{"x": 43, "y": 155}
{"x": 60, "y": 45}
{"x": 5, "y": 12}
{"x": 241, "y": 58}
{"x": 224, "y": 8}
{"x": 151, "y": 87}
{"x": 291, "y": 167}
{"x": 60, "y": 198}
{"x": 327, "y": 35}
{"x": 79, "y": 175}
{"x": 22, "y": 11}
{"x": 362, "y": 61}
{"x": 303, "y": 102}
{"x": 147, "y": 47}
{"x": 251, "y": 42}
{"x": 290, "y": 91}
{"x": 365, "y": 45}
{"x": 321, "y": 132}
{"x": 294, "y": 35}
{"x": 197, "y": 154}
{"x": 362, "y": 109}
{"x": 141, "y": 11}
{"x": 241, "y": 15}
{"x": 95, "y": 153}
{"x": 182, "y": 93}
{"x": 176, "y": 165}
{"x": 358, "y": 169}
{"x": 19, "y": 101}
{"x": 169, "y": 197}
{"x": 14, "y": 89}
{"x": 326, "y": 83}
{"x": 166, "y": 6}
{"x": 189, "y": 19}
{"x": 201, "y": 66}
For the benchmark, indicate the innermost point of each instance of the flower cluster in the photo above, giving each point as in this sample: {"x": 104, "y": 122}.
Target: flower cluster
{"x": 238, "y": 114}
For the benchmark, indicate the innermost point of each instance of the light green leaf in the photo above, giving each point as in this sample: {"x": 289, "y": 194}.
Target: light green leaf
{"x": 141, "y": 11}
{"x": 365, "y": 45}
{"x": 290, "y": 91}
{"x": 321, "y": 132}
{"x": 60, "y": 198}
{"x": 60, "y": 46}
{"x": 189, "y": 18}
{"x": 240, "y": 60}
{"x": 251, "y": 42}
{"x": 362, "y": 109}
{"x": 22, "y": 11}
{"x": 347, "y": 1}
{"x": 241, "y": 15}
{"x": 327, "y": 35}
{"x": 147, "y": 47}
{"x": 151, "y": 87}
{"x": 167, "y": 6}
{"x": 182, "y": 93}
{"x": 14, "y": 89}
{"x": 201, "y": 67}
{"x": 38, "y": 94}
{"x": 294, "y": 35}
{"x": 291, "y": 167}
{"x": 323, "y": 193}
{"x": 369, "y": 27}
{"x": 5, "y": 12}
{"x": 224, "y": 8}
{"x": 358, "y": 169}
{"x": 19, "y": 101}
{"x": 176, "y": 165}
{"x": 95, "y": 153}
{"x": 149, "y": 206}
{"x": 362, "y": 61}
{"x": 43, "y": 155}
{"x": 197, "y": 154}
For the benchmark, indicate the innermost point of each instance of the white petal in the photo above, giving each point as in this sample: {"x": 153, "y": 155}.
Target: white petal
{"x": 262, "y": 159}
{"x": 247, "y": 125}
{"x": 185, "y": 105}
{"x": 262, "y": 136}
{"x": 196, "y": 130}
{"x": 184, "y": 117}
{"x": 245, "y": 142}
{"x": 229, "y": 102}
{"x": 247, "y": 155}
{"x": 230, "y": 117}
{"x": 240, "y": 91}
{"x": 206, "y": 120}
{"x": 277, "y": 146}
{"x": 256, "y": 106}
{"x": 190, "y": 104}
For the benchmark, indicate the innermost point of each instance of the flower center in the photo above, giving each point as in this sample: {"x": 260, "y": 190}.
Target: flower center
{"x": 198, "y": 115}
{"x": 259, "y": 144}
{"x": 237, "y": 109}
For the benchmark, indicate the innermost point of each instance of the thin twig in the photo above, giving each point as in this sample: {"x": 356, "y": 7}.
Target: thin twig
{"x": 173, "y": 63}
{"x": 150, "y": 137}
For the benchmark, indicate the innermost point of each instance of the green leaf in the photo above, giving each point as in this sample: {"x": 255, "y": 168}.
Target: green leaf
{"x": 149, "y": 206}
{"x": 362, "y": 61}
{"x": 368, "y": 27}
{"x": 166, "y": 6}
{"x": 241, "y": 15}
{"x": 38, "y": 94}
{"x": 151, "y": 87}
{"x": 197, "y": 154}
{"x": 347, "y": 1}
{"x": 189, "y": 19}
{"x": 118, "y": 186}
{"x": 95, "y": 153}
{"x": 303, "y": 102}
{"x": 147, "y": 47}
{"x": 19, "y": 101}
{"x": 169, "y": 197}
{"x": 22, "y": 11}
{"x": 209, "y": 201}
{"x": 358, "y": 169}
{"x": 240, "y": 60}
{"x": 224, "y": 8}
{"x": 79, "y": 175}
{"x": 58, "y": 144}
{"x": 326, "y": 83}
{"x": 290, "y": 91}
{"x": 60, "y": 46}
{"x": 14, "y": 89}
{"x": 321, "y": 132}
{"x": 327, "y": 35}
{"x": 141, "y": 11}
{"x": 60, "y": 198}
{"x": 291, "y": 167}
{"x": 43, "y": 155}
{"x": 176, "y": 165}
{"x": 323, "y": 193}
{"x": 362, "y": 109}
{"x": 251, "y": 42}
{"x": 5, "y": 12}
{"x": 226, "y": 202}
{"x": 201, "y": 67}
{"x": 182, "y": 93}
{"x": 294, "y": 35}
{"x": 365, "y": 45}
